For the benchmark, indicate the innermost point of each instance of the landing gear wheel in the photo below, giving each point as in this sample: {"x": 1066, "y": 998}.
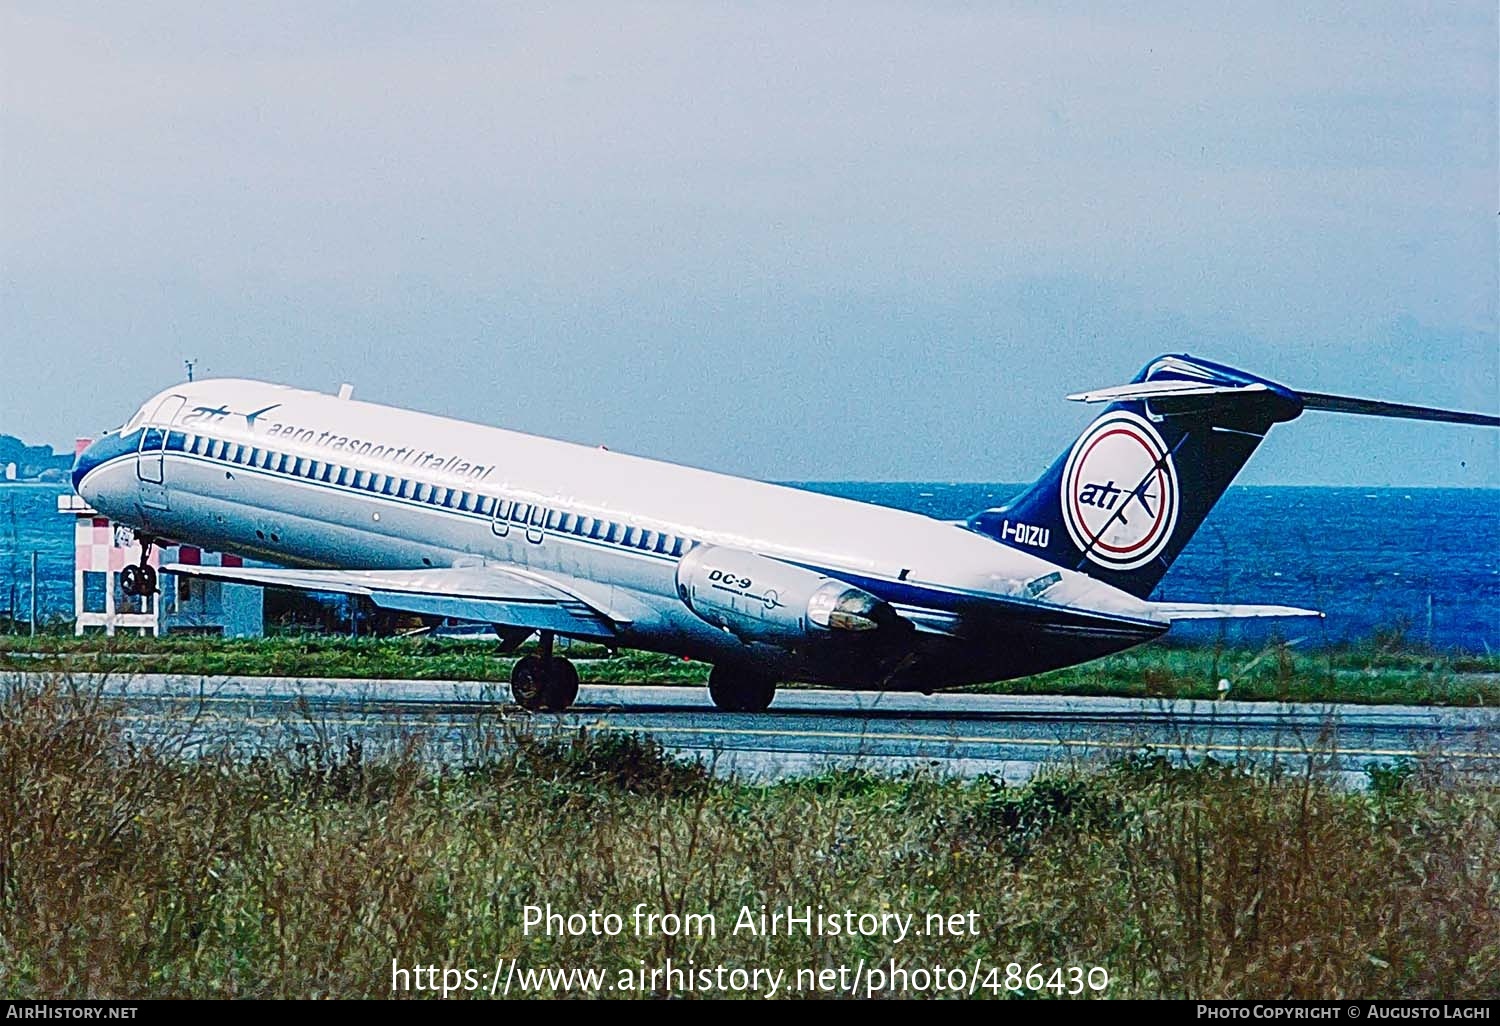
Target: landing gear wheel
{"x": 736, "y": 690}
{"x": 138, "y": 579}
{"x": 564, "y": 684}
{"x": 544, "y": 685}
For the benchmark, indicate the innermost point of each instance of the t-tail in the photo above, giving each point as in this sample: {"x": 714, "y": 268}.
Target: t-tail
{"x": 1125, "y": 499}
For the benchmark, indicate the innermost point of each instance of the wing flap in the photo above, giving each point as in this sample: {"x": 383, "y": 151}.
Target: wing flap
{"x": 481, "y": 594}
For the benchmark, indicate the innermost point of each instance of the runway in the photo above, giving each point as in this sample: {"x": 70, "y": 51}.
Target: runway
{"x": 808, "y": 730}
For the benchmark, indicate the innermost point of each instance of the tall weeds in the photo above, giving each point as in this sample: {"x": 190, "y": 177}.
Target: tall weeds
{"x": 151, "y": 859}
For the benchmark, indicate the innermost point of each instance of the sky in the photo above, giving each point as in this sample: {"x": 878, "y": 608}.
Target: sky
{"x": 860, "y": 241}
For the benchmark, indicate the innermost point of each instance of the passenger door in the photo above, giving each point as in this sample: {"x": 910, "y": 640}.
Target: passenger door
{"x": 151, "y": 455}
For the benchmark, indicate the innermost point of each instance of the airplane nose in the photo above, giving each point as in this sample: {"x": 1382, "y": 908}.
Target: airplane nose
{"x": 89, "y": 459}
{"x": 85, "y": 461}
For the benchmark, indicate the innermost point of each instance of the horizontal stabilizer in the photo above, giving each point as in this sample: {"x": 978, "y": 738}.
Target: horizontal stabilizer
{"x": 481, "y": 594}
{"x": 1403, "y": 411}
{"x": 1175, "y": 611}
{"x": 1163, "y": 389}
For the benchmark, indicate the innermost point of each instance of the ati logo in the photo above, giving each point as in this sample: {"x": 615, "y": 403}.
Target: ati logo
{"x": 214, "y": 414}
{"x": 1119, "y": 492}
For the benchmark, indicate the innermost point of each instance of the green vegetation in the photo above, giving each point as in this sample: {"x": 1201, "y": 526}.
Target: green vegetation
{"x": 129, "y": 868}
{"x": 1384, "y": 670}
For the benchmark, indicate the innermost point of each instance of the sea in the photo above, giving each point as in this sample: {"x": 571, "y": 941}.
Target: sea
{"x": 1423, "y": 563}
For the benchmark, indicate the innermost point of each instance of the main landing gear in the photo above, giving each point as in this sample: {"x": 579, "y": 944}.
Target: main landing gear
{"x": 737, "y": 690}
{"x": 544, "y": 682}
{"x": 139, "y": 579}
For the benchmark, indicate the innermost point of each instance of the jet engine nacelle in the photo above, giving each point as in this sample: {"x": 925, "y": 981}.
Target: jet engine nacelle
{"x": 757, "y": 598}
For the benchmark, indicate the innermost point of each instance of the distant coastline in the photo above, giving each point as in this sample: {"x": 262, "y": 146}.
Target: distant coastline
{"x": 31, "y": 463}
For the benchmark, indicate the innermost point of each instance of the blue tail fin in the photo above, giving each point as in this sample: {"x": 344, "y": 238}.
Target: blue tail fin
{"x": 1123, "y": 501}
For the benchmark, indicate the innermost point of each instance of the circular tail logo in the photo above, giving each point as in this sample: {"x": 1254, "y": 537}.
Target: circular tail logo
{"x": 1119, "y": 492}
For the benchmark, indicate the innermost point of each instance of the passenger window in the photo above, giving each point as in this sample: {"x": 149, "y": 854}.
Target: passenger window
{"x": 519, "y": 511}
{"x": 502, "y": 509}
{"x": 538, "y": 515}
{"x": 487, "y": 505}
{"x": 553, "y": 519}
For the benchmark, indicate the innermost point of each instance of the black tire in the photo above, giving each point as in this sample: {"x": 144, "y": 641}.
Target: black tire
{"x": 542, "y": 685}
{"x": 564, "y": 684}
{"x": 528, "y": 684}
{"x": 148, "y": 580}
{"x": 130, "y": 579}
{"x": 736, "y": 690}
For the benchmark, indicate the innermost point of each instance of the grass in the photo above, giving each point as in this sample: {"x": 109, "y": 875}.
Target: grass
{"x": 1382, "y": 670}
{"x": 168, "y": 866}
{"x": 1379, "y": 671}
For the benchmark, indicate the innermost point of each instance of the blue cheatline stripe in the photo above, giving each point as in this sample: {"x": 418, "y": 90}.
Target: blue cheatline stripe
{"x": 117, "y": 449}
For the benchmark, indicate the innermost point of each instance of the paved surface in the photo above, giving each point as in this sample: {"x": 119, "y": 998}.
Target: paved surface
{"x": 809, "y": 730}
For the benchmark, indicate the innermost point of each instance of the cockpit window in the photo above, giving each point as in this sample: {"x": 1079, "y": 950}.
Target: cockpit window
{"x": 135, "y": 421}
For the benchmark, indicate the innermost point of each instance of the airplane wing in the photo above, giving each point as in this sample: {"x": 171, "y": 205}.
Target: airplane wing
{"x": 1175, "y": 611}
{"x": 1080, "y": 623}
{"x": 484, "y": 594}
{"x": 976, "y": 612}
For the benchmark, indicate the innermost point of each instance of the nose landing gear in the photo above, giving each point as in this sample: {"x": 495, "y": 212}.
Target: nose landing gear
{"x": 139, "y": 579}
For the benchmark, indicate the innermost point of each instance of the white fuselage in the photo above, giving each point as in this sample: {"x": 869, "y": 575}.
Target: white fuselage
{"x": 307, "y": 479}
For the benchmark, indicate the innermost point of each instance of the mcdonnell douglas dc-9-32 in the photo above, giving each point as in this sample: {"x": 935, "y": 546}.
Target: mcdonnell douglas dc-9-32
{"x": 769, "y": 584}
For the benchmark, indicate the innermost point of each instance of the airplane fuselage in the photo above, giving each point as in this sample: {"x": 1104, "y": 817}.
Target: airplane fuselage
{"x": 305, "y": 479}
